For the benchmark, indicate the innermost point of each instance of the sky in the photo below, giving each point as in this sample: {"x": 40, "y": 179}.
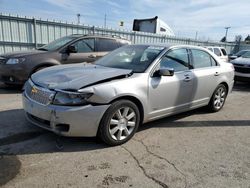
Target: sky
{"x": 186, "y": 17}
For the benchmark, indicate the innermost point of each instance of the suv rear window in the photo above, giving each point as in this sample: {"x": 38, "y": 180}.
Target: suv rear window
{"x": 223, "y": 51}
{"x": 217, "y": 51}
{"x": 104, "y": 45}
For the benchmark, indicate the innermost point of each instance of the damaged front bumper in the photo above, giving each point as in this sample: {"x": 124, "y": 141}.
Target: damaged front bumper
{"x": 76, "y": 121}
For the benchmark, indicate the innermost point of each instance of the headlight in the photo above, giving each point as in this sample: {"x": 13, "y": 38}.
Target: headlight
{"x": 13, "y": 61}
{"x": 71, "y": 98}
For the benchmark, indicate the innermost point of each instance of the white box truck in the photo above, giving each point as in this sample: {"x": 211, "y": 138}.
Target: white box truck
{"x": 152, "y": 25}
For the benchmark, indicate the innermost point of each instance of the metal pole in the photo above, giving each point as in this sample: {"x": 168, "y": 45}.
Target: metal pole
{"x": 105, "y": 20}
{"x": 196, "y": 35}
{"x": 34, "y": 25}
{"x": 78, "y": 18}
{"x": 226, "y": 32}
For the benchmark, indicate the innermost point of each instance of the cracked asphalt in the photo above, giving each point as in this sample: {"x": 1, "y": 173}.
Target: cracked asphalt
{"x": 195, "y": 149}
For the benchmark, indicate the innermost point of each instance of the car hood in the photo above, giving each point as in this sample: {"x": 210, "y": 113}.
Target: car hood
{"x": 21, "y": 53}
{"x": 76, "y": 76}
{"x": 242, "y": 61}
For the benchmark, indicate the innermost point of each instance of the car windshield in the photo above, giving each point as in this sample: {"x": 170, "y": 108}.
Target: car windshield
{"x": 133, "y": 57}
{"x": 246, "y": 55}
{"x": 240, "y": 53}
{"x": 56, "y": 44}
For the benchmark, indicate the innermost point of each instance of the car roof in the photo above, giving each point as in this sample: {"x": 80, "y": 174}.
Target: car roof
{"x": 98, "y": 36}
{"x": 167, "y": 45}
{"x": 214, "y": 47}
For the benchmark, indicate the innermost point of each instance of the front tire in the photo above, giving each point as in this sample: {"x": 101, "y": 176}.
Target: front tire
{"x": 218, "y": 98}
{"x": 119, "y": 123}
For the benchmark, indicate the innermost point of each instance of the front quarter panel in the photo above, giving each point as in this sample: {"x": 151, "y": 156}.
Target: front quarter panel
{"x": 135, "y": 86}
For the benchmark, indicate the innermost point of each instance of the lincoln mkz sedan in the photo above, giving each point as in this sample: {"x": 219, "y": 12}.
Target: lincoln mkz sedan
{"x": 130, "y": 86}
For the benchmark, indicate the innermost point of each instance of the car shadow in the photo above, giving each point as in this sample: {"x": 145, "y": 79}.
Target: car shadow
{"x": 174, "y": 121}
{"x": 23, "y": 138}
{"x": 9, "y": 89}
{"x": 241, "y": 86}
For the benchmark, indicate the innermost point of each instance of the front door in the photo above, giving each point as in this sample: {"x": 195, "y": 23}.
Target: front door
{"x": 170, "y": 94}
{"x": 85, "y": 52}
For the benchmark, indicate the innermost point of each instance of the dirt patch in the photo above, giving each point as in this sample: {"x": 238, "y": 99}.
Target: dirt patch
{"x": 109, "y": 179}
{"x": 10, "y": 166}
{"x": 101, "y": 166}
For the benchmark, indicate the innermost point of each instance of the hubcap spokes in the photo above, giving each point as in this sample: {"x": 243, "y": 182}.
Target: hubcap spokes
{"x": 122, "y": 123}
{"x": 219, "y": 98}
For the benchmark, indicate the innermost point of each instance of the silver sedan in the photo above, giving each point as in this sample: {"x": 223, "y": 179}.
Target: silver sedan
{"x": 130, "y": 86}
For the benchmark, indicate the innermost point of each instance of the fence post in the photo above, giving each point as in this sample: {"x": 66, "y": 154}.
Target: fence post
{"x": 134, "y": 36}
{"x": 34, "y": 26}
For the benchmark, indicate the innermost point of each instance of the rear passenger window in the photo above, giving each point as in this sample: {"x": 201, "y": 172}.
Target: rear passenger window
{"x": 176, "y": 59}
{"x": 202, "y": 59}
{"x": 217, "y": 51}
{"x": 104, "y": 45}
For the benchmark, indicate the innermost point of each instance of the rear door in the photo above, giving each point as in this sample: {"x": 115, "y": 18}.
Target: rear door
{"x": 206, "y": 73}
{"x": 105, "y": 45}
{"x": 85, "y": 52}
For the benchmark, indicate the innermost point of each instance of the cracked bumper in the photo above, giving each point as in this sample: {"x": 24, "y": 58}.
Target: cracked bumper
{"x": 80, "y": 121}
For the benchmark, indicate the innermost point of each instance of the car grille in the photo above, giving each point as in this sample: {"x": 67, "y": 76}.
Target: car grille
{"x": 242, "y": 68}
{"x": 39, "y": 94}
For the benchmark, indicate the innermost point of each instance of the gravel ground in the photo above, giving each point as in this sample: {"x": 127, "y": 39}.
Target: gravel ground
{"x": 193, "y": 149}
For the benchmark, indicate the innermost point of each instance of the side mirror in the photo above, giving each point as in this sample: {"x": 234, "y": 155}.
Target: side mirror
{"x": 71, "y": 49}
{"x": 164, "y": 72}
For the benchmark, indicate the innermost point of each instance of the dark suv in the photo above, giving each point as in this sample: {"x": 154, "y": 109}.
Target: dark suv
{"x": 17, "y": 67}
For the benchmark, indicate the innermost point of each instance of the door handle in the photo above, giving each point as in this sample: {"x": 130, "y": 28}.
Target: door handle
{"x": 187, "y": 78}
{"x": 92, "y": 56}
{"x": 216, "y": 74}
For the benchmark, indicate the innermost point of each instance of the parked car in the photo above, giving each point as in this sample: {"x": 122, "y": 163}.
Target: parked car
{"x": 132, "y": 85}
{"x": 242, "y": 67}
{"x": 238, "y": 54}
{"x": 220, "y": 52}
{"x": 16, "y": 68}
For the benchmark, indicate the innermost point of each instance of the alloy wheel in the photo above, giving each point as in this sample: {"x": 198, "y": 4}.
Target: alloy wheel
{"x": 219, "y": 97}
{"x": 122, "y": 123}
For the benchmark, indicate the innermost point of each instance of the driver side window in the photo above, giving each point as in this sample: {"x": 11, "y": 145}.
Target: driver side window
{"x": 176, "y": 59}
{"x": 85, "y": 45}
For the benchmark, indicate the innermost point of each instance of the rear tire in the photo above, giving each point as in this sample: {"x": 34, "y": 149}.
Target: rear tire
{"x": 218, "y": 98}
{"x": 119, "y": 123}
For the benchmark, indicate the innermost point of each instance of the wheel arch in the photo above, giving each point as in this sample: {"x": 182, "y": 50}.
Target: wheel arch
{"x": 226, "y": 85}
{"x": 137, "y": 102}
{"x": 46, "y": 64}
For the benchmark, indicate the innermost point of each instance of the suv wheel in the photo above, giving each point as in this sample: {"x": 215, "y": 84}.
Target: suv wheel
{"x": 218, "y": 99}
{"x": 119, "y": 123}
